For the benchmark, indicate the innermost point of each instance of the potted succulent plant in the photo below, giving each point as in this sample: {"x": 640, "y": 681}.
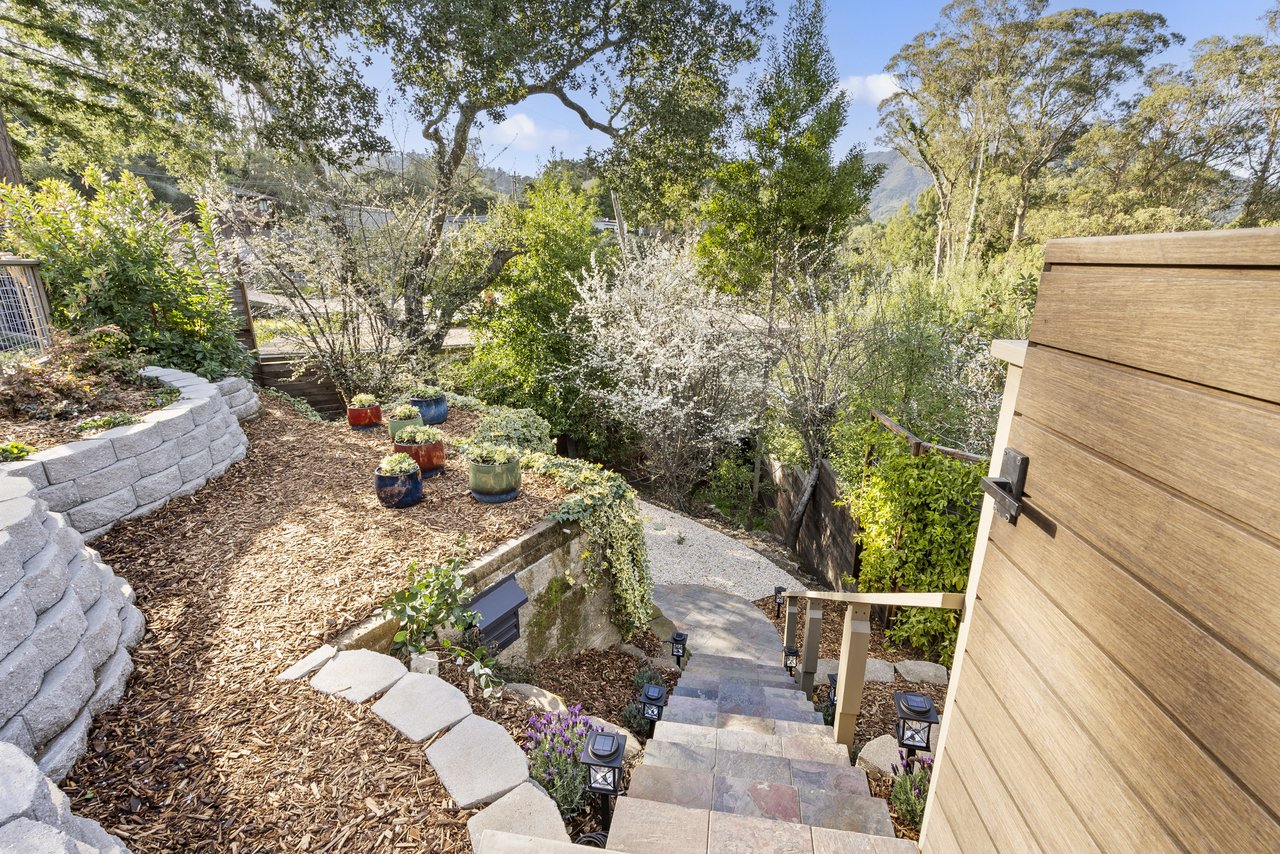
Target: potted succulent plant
{"x": 364, "y": 412}
{"x": 431, "y": 403}
{"x": 495, "y": 472}
{"x": 401, "y": 416}
{"x": 398, "y": 481}
{"x": 425, "y": 445}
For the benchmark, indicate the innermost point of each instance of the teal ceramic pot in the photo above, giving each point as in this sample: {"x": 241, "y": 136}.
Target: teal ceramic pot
{"x": 495, "y": 484}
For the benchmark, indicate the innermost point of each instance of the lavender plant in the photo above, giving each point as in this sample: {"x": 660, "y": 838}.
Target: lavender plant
{"x": 911, "y": 789}
{"x": 555, "y": 740}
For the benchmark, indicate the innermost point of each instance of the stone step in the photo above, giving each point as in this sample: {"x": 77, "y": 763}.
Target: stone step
{"x": 504, "y": 842}
{"x": 768, "y": 799}
{"x": 738, "y": 699}
{"x": 642, "y": 826}
{"x": 758, "y": 766}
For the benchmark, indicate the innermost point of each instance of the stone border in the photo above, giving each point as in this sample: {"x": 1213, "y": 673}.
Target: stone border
{"x": 35, "y": 815}
{"x": 135, "y": 470}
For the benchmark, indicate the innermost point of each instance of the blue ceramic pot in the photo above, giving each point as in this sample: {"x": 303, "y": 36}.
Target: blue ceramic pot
{"x": 434, "y": 410}
{"x": 398, "y": 490}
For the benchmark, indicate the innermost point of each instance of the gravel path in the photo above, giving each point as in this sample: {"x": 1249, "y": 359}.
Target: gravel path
{"x": 684, "y": 551}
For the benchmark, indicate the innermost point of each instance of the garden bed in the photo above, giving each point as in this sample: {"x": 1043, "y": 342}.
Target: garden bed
{"x": 207, "y": 751}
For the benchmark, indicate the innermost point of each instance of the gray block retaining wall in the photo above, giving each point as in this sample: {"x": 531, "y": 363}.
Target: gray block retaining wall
{"x": 35, "y": 815}
{"x": 134, "y": 470}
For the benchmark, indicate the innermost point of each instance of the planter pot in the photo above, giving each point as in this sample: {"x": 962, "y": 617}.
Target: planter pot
{"x": 495, "y": 484}
{"x": 364, "y": 417}
{"x": 398, "y": 490}
{"x": 429, "y": 457}
{"x": 434, "y": 410}
{"x": 394, "y": 426}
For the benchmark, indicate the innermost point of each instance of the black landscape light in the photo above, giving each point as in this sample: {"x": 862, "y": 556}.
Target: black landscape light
{"x": 679, "y": 640}
{"x": 790, "y": 659}
{"x": 831, "y": 697}
{"x": 602, "y": 755}
{"x": 777, "y": 601}
{"x": 652, "y": 700}
{"x": 499, "y": 611}
{"x": 916, "y": 717}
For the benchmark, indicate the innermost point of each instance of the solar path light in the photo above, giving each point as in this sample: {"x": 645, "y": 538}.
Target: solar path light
{"x": 790, "y": 659}
{"x": 679, "y": 640}
{"x": 916, "y": 718}
{"x": 602, "y": 754}
{"x": 777, "y": 602}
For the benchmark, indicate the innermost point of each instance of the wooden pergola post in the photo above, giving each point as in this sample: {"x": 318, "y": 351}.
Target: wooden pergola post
{"x": 809, "y": 656}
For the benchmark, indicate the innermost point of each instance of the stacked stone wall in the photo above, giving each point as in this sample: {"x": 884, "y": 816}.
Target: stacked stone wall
{"x": 134, "y": 470}
{"x": 35, "y": 815}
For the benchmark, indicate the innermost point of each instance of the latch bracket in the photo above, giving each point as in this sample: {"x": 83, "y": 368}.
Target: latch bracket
{"x": 1006, "y": 490}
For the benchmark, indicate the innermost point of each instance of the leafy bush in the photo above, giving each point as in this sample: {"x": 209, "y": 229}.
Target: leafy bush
{"x": 12, "y": 452}
{"x": 482, "y": 453}
{"x": 462, "y": 401}
{"x": 363, "y": 401}
{"x": 633, "y": 718}
{"x": 426, "y": 392}
{"x": 166, "y": 396}
{"x": 403, "y": 412}
{"x": 434, "y": 599}
{"x": 647, "y": 675}
{"x": 520, "y": 428}
{"x": 911, "y": 790}
{"x": 397, "y": 465}
{"x": 418, "y": 434}
{"x": 83, "y": 373}
{"x": 728, "y": 488}
{"x": 119, "y": 258}
{"x": 919, "y": 520}
{"x": 106, "y": 422}
{"x": 555, "y": 742}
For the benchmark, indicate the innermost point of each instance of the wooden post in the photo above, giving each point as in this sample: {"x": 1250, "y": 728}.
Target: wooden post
{"x": 809, "y": 657}
{"x": 853, "y": 670}
{"x": 793, "y": 621}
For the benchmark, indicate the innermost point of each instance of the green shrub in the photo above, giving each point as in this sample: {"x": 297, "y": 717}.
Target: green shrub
{"x": 426, "y": 392}
{"x": 418, "y": 434}
{"x": 363, "y": 401}
{"x": 403, "y": 412}
{"x": 728, "y": 488}
{"x": 398, "y": 465}
{"x": 120, "y": 259}
{"x": 633, "y": 718}
{"x": 485, "y": 454}
{"x": 647, "y": 675}
{"x": 105, "y": 422}
{"x": 910, "y": 792}
{"x": 919, "y": 520}
{"x": 434, "y": 599}
{"x": 521, "y": 428}
{"x": 12, "y": 452}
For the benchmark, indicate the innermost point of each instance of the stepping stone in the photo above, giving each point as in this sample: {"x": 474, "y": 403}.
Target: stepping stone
{"x": 526, "y": 809}
{"x": 826, "y": 775}
{"x": 538, "y": 697}
{"x": 631, "y": 749}
{"x": 641, "y": 826}
{"x": 828, "y": 841}
{"x": 308, "y": 664}
{"x": 358, "y": 674}
{"x": 420, "y": 705}
{"x": 673, "y": 754}
{"x": 753, "y": 766}
{"x": 698, "y": 736}
{"x": 729, "y": 832}
{"x": 691, "y": 789}
{"x": 839, "y": 811}
{"x": 922, "y": 671}
{"x": 878, "y": 670}
{"x": 478, "y": 762}
{"x": 881, "y": 754}
{"x": 759, "y": 798}
{"x": 688, "y": 710}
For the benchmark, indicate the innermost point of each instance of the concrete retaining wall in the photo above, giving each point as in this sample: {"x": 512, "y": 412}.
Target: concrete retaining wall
{"x": 67, "y": 623}
{"x": 35, "y": 815}
{"x": 134, "y": 470}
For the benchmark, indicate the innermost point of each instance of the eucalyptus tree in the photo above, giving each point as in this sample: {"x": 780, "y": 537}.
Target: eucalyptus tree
{"x": 91, "y": 79}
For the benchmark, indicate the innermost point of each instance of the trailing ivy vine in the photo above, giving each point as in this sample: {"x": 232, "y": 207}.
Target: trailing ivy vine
{"x": 919, "y": 519}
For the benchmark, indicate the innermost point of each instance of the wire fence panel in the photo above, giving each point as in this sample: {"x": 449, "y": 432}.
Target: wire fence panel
{"x": 24, "y": 307}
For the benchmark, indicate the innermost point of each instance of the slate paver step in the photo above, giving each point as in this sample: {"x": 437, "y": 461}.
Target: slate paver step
{"x": 674, "y": 754}
{"x": 729, "y": 832}
{"x": 761, "y": 798}
{"x": 690, "y": 710}
{"x": 503, "y": 842}
{"x": 420, "y": 705}
{"x": 842, "y": 811}
{"x": 828, "y": 841}
{"x": 358, "y": 674}
{"x": 669, "y": 730}
{"x": 806, "y": 774}
{"x": 686, "y": 788}
{"x": 643, "y": 826}
{"x": 478, "y": 762}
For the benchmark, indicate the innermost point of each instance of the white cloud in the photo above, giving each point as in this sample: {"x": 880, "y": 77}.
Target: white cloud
{"x": 522, "y": 133}
{"x": 870, "y": 88}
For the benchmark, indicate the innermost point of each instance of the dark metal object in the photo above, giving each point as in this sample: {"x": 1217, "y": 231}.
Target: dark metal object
{"x": 679, "y": 641}
{"x": 916, "y": 718}
{"x": 499, "y": 610}
{"x": 790, "y": 659}
{"x": 1006, "y": 490}
{"x": 594, "y": 839}
{"x": 653, "y": 698}
{"x": 831, "y": 697}
{"x": 777, "y": 601}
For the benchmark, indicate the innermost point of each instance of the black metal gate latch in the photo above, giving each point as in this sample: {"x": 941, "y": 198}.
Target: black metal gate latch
{"x": 1006, "y": 490}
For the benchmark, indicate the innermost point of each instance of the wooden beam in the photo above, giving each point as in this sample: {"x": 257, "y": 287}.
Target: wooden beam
{"x": 809, "y": 658}
{"x": 1250, "y": 247}
{"x": 853, "y": 671}
{"x": 951, "y": 601}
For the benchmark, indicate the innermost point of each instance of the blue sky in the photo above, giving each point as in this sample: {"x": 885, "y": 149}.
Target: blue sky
{"x": 863, "y": 34}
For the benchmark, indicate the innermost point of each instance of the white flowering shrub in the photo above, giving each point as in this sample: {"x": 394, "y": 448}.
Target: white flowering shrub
{"x": 669, "y": 360}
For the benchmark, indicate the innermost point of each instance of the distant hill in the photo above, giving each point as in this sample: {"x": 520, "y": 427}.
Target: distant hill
{"x": 901, "y": 183}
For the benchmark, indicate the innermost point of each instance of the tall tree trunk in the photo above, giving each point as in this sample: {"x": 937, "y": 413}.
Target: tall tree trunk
{"x": 973, "y": 205}
{"x": 1019, "y": 214}
{"x": 1251, "y": 213}
{"x": 10, "y": 169}
{"x": 764, "y": 398}
{"x": 797, "y": 512}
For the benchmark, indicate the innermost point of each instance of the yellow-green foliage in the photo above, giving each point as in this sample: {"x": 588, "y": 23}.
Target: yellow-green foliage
{"x": 919, "y": 519}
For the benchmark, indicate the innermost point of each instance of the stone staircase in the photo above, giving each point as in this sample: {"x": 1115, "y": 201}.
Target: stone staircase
{"x": 741, "y": 762}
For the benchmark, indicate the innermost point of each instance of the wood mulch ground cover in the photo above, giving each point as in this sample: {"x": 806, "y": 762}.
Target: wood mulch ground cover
{"x": 207, "y": 751}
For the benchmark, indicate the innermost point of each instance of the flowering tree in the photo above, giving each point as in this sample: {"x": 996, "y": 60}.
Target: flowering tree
{"x": 667, "y": 359}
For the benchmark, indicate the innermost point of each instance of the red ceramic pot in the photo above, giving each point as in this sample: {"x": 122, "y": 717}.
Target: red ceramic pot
{"x": 429, "y": 457}
{"x": 364, "y": 417}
